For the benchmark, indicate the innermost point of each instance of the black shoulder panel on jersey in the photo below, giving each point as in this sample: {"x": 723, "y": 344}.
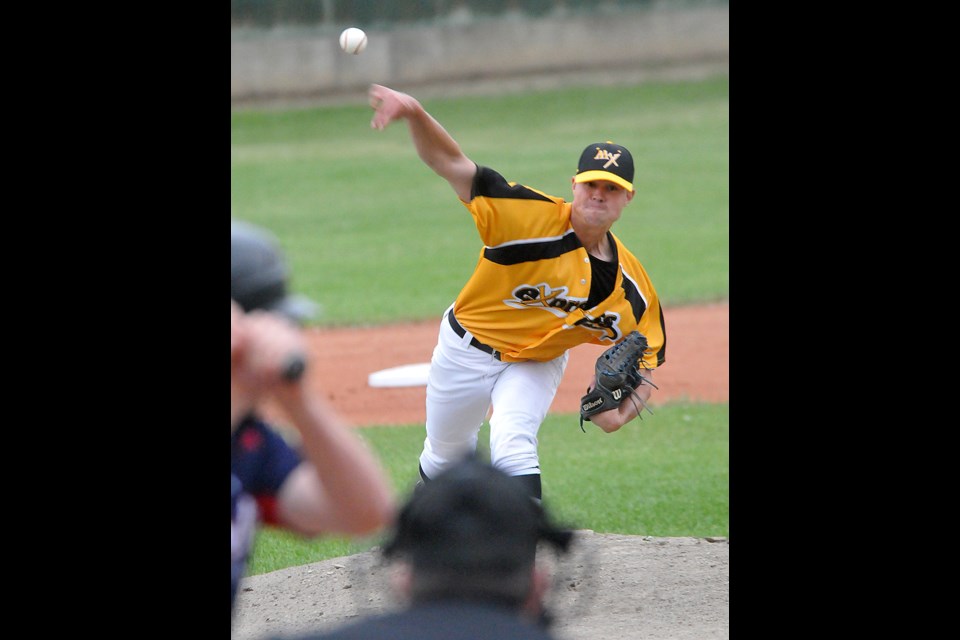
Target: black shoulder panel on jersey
{"x": 662, "y": 354}
{"x": 634, "y": 298}
{"x": 531, "y": 251}
{"x": 491, "y": 184}
{"x": 639, "y": 307}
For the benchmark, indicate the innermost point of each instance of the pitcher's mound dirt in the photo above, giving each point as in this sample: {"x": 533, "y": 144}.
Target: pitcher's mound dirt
{"x": 611, "y": 587}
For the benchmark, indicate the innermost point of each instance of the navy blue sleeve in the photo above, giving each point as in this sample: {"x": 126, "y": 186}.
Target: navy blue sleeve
{"x": 260, "y": 458}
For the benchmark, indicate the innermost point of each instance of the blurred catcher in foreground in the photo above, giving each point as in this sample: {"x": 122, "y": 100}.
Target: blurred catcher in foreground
{"x": 331, "y": 482}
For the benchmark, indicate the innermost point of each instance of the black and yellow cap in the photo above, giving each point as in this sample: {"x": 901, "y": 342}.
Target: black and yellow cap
{"x": 606, "y": 161}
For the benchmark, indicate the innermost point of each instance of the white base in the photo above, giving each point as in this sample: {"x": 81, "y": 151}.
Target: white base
{"x": 407, "y": 375}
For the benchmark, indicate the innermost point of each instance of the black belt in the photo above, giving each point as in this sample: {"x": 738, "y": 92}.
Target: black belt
{"x": 473, "y": 341}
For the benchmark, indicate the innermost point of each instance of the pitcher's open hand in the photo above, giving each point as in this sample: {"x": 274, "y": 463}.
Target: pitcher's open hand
{"x": 389, "y": 105}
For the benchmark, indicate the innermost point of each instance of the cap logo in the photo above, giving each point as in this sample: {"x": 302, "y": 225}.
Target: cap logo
{"x": 611, "y": 158}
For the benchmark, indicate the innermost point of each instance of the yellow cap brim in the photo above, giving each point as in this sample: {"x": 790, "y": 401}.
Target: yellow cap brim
{"x": 587, "y": 176}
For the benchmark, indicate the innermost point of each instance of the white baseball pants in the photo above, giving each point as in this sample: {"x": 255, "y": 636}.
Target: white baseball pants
{"x": 464, "y": 383}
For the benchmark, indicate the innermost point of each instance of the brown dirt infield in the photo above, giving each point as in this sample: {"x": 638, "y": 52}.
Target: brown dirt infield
{"x": 696, "y": 367}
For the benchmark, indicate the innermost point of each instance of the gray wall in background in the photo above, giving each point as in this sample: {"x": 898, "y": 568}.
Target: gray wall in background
{"x": 306, "y": 62}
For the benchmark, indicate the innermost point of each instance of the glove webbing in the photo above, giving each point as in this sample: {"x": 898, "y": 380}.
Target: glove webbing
{"x": 622, "y": 359}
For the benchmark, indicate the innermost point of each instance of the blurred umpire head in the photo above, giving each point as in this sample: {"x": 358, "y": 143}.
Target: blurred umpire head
{"x": 472, "y": 533}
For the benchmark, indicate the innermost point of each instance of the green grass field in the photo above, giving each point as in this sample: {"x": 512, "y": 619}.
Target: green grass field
{"x": 666, "y": 475}
{"x": 375, "y": 237}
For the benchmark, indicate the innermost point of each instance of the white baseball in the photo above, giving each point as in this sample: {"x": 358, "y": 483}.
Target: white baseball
{"x": 353, "y": 40}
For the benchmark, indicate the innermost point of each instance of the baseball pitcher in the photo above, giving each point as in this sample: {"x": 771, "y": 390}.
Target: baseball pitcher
{"x": 550, "y": 276}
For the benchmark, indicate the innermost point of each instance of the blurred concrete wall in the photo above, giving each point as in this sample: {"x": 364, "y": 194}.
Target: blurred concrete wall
{"x": 307, "y": 62}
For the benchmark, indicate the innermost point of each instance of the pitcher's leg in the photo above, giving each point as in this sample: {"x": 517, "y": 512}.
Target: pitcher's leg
{"x": 457, "y": 402}
{"x": 521, "y": 399}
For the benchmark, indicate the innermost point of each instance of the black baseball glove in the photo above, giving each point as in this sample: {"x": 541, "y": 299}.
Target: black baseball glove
{"x": 617, "y": 375}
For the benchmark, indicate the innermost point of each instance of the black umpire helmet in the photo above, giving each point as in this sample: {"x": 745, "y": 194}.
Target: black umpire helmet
{"x": 472, "y": 532}
{"x": 259, "y": 275}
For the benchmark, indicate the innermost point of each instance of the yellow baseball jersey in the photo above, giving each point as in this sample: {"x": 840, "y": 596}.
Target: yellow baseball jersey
{"x": 527, "y": 296}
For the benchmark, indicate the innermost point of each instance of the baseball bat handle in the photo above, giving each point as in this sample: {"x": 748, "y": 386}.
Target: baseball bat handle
{"x": 293, "y": 367}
